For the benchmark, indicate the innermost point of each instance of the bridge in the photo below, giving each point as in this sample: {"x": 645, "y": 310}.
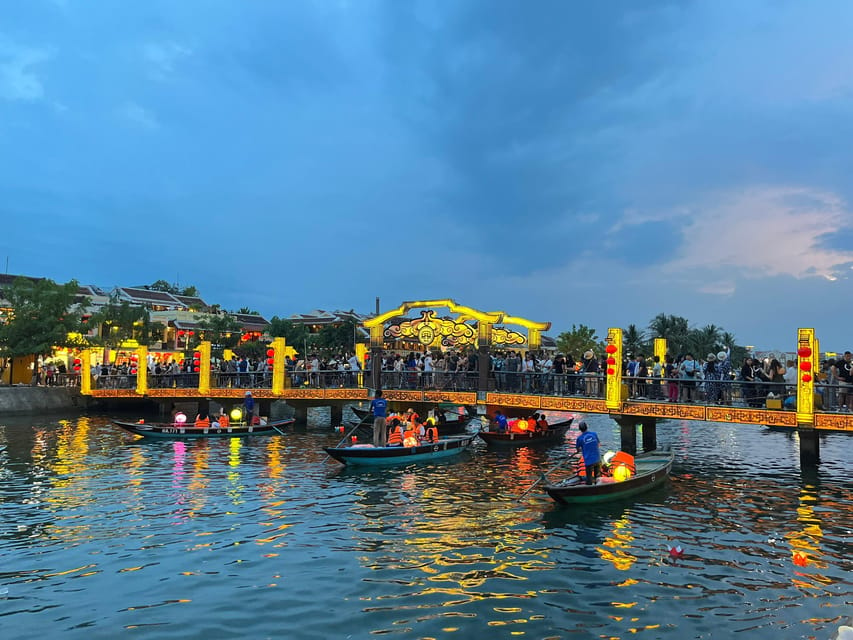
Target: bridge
{"x": 629, "y": 401}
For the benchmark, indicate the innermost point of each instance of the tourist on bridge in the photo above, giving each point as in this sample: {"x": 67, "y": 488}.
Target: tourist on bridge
{"x": 590, "y": 373}
{"x": 588, "y": 446}
{"x": 689, "y": 372}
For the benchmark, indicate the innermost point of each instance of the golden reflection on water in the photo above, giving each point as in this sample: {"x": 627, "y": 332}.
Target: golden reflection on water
{"x": 235, "y": 489}
{"x": 618, "y": 544}
{"x": 805, "y": 543}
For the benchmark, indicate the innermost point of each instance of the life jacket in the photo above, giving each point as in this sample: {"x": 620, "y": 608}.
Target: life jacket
{"x": 202, "y": 422}
{"x": 409, "y": 439}
{"x": 542, "y": 424}
{"x": 395, "y": 438}
{"x": 432, "y": 434}
{"x": 224, "y": 421}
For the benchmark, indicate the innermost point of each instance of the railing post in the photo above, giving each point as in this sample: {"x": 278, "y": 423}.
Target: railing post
{"x": 613, "y": 389}
{"x": 86, "y": 372}
{"x": 377, "y": 342}
{"x": 660, "y": 349}
{"x": 278, "y": 368}
{"x": 204, "y": 367}
{"x": 807, "y": 367}
{"x": 142, "y": 370}
{"x": 360, "y": 352}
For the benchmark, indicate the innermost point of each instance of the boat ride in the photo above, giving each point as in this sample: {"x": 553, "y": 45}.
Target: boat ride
{"x": 185, "y": 431}
{"x": 627, "y": 476}
{"x": 516, "y": 436}
{"x": 369, "y": 455}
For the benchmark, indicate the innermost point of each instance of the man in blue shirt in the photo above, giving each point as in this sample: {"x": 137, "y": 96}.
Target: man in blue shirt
{"x": 379, "y": 409}
{"x": 587, "y": 443}
{"x": 500, "y": 422}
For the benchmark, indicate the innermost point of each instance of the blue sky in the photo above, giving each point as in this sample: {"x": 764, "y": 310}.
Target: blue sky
{"x": 578, "y": 162}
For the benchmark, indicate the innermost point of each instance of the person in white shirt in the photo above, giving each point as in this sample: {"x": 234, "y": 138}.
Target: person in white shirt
{"x": 428, "y": 369}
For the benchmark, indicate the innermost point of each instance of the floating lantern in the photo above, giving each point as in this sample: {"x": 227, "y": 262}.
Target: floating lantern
{"x": 180, "y": 418}
{"x": 676, "y": 552}
{"x": 800, "y": 560}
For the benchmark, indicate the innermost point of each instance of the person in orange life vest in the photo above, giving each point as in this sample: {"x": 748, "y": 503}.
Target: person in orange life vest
{"x": 202, "y": 419}
{"x": 411, "y": 417}
{"x": 395, "y": 434}
{"x": 542, "y": 423}
{"x": 224, "y": 420}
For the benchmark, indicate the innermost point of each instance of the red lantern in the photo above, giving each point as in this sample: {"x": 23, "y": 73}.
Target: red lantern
{"x": 78, "y": 361}
{"x": 804, "y": 352}
{"x": 133, "y": 371}
{"x": 806, "y": 365}
{"x": 197, "y": 354}
{"x": 270, "y": 353}
{"x": 181, "y": 332}
{"x": 192, "y": 333}
{"x": 196, "y": 369}
{"x": 611, "y": 361}
{"x": 76, "y": 367}
{"x": 807, "y": 377}
{"x": 611, "y": 371}
{"x": 270, "y": 361}
{"x": 134, "y": 357}
{"x": 196, "y": 362}
{"x": 611, "y": 348}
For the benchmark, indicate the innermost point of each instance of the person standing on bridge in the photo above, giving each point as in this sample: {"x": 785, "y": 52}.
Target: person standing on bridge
{"x": 379, "y": 409}
{"x": 587, "y": 444}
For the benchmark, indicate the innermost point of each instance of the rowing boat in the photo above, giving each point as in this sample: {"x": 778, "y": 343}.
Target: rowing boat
{"x": 554, "y": 434}
{"x": 652, "y": 469}
{"x": 368, "y": 455}
{"x": 174, "y": 431}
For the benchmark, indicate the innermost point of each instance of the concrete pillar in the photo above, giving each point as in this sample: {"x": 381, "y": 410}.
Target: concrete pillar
{"x": 337, "y": 413}
{"x": 809, "y": 446}
{"x": 650, "y": 433}
{"x": 628, "y": 434}
{"x": 300, "y": 412}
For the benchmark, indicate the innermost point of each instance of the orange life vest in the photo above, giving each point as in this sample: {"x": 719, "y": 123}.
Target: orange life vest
{"x": 432, "y": 434}
{"x": 395, "y": 438}
{"x": 202, "y": 422}
{"x": 224, "y": 421}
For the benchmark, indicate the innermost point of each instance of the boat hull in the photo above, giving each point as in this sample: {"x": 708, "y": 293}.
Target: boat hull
{"x": 653, "y": 469}
{"x": 389, "y": 456}
{"x": 171, "y": 432}
{"x": 554, "y": 435}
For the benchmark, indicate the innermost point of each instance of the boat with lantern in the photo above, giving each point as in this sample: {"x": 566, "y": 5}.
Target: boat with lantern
{"x": 181, "y": 430}
{"x": 628, "y": 475}
{"x": 516, "y": 437}
{"x": 368, "y": 455}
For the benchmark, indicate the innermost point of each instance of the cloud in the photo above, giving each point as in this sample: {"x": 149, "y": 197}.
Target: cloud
{"x": 163, "y": 57}
{"x": 762, "y": 232}
{"x": 140, "y": 116}
{"x": 18, "y": 80}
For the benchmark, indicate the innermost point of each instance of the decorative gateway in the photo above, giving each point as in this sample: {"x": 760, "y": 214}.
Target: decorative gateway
{"x": 429, "y": 330}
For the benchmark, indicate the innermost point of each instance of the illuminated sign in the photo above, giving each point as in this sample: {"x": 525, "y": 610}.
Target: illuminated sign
{"x": 429, "y": 330}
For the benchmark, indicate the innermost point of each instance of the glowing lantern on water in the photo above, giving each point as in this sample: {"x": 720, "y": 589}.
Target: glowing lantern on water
{"x": 180, "y": 418}
{"x": 621, "y": 473}
{"x": 236, "y": 414}
{"x": 611, "y": 348}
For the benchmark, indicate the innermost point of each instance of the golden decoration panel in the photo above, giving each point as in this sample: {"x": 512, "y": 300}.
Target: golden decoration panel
{"x": 346, "y": 394}
{"x": 403, "y": 395}
{"x": 583, "y": 405}
{"x": 303, "y": 394}
{"x": 456, "y": 397}
{"x": 751, "y": 416}
{"x": 114, "y": 393}
{"x": 664, "y": 410}
{"x": 833, "y": 421}
{"x": 513, "y": 400}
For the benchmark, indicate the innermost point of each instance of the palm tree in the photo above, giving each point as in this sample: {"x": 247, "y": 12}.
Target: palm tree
{"x": 673, "y": 328}
{"x": 633, "y": 340}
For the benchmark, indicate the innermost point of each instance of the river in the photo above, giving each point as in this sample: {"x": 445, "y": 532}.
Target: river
{"x": 103, "y": 535}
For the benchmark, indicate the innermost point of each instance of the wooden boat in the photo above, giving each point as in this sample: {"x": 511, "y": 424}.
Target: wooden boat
{"x": 554, "y": 434}
{"x": 368, "y": 455}
{"x": 652, "y": 469}
{"x": 451, "y": 427}
{"x": 173, "y": 431}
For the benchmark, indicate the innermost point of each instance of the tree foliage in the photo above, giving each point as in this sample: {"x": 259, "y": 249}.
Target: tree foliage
{"x": 252, "y": 349}
{"x": 43, "y": 315}
{"x": 247, "y": 311}
{"x": 166, "y": 287}
{"x": 338, "y": 338}
{"x": 579, "y": 339}
{"x": 681, "y": 338}
{"x": 223, "y": 332}
{"x": 634, "y": 340}
{"x": 120, "y": 321}
{"x": 294, "y": 334}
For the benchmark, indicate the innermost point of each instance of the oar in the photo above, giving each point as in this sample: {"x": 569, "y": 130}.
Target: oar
{"x": 345, "y": 438}
{"x": 545, "y": 475}
{"x": 280, "y": 432}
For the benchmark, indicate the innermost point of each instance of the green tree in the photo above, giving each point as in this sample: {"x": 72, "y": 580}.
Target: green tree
{"x": 634, "y": 340}
{"x": 705, "y": 340}
{"x": 43, "y": 315}
{"x": 252, "y": 349}
{"x": 162, "y": 285}
{"x": 119, "y": 321}
{"x": 579, "y": 339}
{"x": 674, "y": 328}
{"x": 247, "y": 311}
{"x": 223, "y": 332}
{"x": 338, "y": 338}
{"x": 294, "y": 334}
{"x": 190, "y": 292}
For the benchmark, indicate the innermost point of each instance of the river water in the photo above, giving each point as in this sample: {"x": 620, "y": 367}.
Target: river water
{"x": 103, "y": 535}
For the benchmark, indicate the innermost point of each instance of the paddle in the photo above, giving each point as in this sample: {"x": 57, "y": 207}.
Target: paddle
{"x": 345, "y": 438}
{"x": 280, "y": 432}
{"x": 545, "y": 475}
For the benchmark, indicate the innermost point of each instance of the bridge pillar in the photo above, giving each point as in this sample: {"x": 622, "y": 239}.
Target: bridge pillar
{"x": 337, "y": 413}
{"x": 650, "y": 433}
{"x": 809, "y": 446}
{"x": 300, "y": 412}
{"x": 627, "y": 433}
{"x": 484, "y": 360}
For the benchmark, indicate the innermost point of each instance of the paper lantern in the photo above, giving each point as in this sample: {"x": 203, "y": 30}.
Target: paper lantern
{"x": 134, "y": 357}
{"x": 181, "y": 332}
{"x": 133, "y": 371}
{"x": 611, "y": 371}
{"x": 611, "y": 361}
{"x": 611, "y": 348}
{"x": 196, "y": 369}
{"x": 807, "y": 377}
{"x": 270, "y": 352}
{"x": 180, "y": 418}
{"x": 236, "y": 414}
{"x": 804, "y": 352}
{"x": 270, "y": 361}
{"x": 197, "y": 354}
{"x": 621, "y": 473}
{"x": 78, "y": 361}
{"x": 806, "y": 365}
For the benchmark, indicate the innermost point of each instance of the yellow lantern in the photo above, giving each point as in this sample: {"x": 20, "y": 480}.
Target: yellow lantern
{"x": 621, "y": 473}
{"x": 236, "y": 414}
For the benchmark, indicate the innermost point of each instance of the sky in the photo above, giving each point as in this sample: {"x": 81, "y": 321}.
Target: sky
{"x": 589, "y": 163}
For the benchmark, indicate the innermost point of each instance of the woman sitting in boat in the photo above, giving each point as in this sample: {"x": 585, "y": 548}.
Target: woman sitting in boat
{"x": 222, "y": 420}
{"x": 395, "y": 434}
{"x": 542, "y": 423}
{"x": 202, "y": 420}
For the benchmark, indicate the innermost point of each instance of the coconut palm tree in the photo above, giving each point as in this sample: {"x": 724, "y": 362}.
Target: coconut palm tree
{"x": 633, "y": 340}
